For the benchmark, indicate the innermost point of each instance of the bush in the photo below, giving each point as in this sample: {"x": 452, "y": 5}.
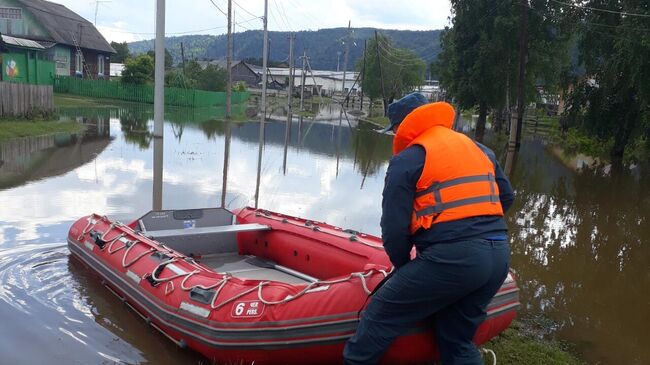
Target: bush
{"x": 239, "y": 86}
{"x": 212, "y": 78}
{"x": 575, "y": 141}
{"x": 138, "y": 70}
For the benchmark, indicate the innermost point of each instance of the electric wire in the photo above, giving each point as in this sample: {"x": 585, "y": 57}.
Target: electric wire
{"x": 602, "y": 10}
{"x": 218, "y": 8}
{"x": 584, "y": 25}
{"x": 119, "y": 30}
{"x": 246, "y": 11}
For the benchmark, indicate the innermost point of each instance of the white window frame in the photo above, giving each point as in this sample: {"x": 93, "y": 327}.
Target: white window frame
{"x": 78, "y": 63}
{"x": 100, "y": 65}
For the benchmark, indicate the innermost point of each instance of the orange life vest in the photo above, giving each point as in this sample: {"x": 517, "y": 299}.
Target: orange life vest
{"x": 458, "y": 179}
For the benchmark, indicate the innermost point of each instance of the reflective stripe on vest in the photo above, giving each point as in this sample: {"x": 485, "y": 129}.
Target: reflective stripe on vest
{"x": 458, "y": 177}
{"x": 439, "y": 206}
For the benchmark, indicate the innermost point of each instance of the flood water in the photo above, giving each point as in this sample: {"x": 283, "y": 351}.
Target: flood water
{"x": 577, "y": 238}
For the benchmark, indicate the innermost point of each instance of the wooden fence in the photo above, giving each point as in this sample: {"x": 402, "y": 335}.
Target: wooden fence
{"x": 22, "y": 100}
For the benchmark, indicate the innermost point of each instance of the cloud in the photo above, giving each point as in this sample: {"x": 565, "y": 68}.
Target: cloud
{"x": 125, "y": 20}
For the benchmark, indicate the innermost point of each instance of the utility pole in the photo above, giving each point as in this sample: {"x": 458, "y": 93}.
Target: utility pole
{"x": 262, "y": 119}
{"x": 292, "y": 37}
{"x": 183, "y": 57}
{"x": 363, "y": 70}
{"x": 517, "y": 122}
{"x": 229, "y": 64}
{"x": 302, "y": 80}
{"x": 159, "y": 76}
{"x": 159, "y": 105}
{"x": 345, "y": 57}
{"x": 381, "y": 75}
{"x": 97, "y": 2}
{"x": 338, "y": 59}
{"x": 523, "y": 55}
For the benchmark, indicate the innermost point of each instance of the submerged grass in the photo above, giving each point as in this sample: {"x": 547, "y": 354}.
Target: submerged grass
{"x": 17, "y": 128}
{"x": 65, "y": 100}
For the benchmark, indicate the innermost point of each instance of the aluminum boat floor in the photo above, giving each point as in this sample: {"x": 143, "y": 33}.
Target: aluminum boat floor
{"x": 248, "y": 267}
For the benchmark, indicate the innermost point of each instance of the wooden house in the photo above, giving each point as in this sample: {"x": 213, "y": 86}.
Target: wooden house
{"x": 72, "y": 42}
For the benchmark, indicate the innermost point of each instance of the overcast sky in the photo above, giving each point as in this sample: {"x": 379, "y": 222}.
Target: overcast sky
{"x": 131, "y": 20}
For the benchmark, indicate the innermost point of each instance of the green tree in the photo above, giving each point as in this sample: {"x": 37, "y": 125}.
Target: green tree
{"x": 212, "y": 78}
{"x": 177, "y": 78}
{"x": 479, "y": 63}
{"x": 122, "y": 50}
{"x": 612, "y": 100}
{"x": 138, "y": 70}
{"x": 402, "y": 70}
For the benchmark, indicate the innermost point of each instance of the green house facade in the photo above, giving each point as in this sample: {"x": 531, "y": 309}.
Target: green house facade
{"x": 24, "y": 61}
{"x": 71, "y": 42}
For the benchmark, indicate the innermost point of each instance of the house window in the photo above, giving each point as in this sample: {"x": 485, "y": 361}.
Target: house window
{"x": 10, "y": 13}
{"x": 100, "y": 65}
{"x": 78, "y": 64}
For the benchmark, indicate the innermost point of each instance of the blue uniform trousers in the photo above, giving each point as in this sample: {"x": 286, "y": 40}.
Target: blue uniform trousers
{"x": 451, "y": 283}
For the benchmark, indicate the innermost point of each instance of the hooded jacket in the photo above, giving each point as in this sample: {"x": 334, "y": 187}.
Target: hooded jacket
{"x": 404, "y": 178}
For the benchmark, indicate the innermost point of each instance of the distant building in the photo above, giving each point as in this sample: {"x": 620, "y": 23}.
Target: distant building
{"x": 72, "y": 42}
{"x": 241, "y": 71}
{"x": 431, "y": 90}
{"x": 327, "y": 82}
{"x": 116, "y": 69}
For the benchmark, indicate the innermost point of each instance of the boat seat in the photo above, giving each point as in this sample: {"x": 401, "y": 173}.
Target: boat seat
{"x": 255, "y": 268}
{"x": 196, "y": 232}
{"x": 234, "y": 228}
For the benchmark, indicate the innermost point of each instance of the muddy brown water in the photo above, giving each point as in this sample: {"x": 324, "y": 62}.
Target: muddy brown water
{"x": 579, "y": 240}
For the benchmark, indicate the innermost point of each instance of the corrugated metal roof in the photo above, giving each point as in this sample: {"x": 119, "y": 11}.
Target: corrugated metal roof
{"x": 65, "y": 26}
{"x": 20, "y": 42}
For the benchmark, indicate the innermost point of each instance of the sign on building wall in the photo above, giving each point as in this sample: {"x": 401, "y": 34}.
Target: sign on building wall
{"x": 11, "y": 70}
{"x": 62, "y": 61}
{"x": 14, "y": 67}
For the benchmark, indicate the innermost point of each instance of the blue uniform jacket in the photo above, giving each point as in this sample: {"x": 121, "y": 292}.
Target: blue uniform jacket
{"x": 403, "y": 172}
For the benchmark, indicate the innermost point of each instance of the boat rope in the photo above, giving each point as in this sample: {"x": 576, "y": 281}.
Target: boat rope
{"x": 219, "y": 284}
{"x": 110, "y": 245}
{"x": 488, "y": 351}
{"x": 138, "y": 257}
{"x": 89, "y": 226}
{"x": 169, "y": 287}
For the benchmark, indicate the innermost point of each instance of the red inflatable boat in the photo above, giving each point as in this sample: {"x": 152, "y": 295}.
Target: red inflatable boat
{"x": 255, "y": 286}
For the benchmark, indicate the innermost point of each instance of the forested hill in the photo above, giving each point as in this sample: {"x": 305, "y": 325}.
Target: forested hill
{"x": 321, "y": 45}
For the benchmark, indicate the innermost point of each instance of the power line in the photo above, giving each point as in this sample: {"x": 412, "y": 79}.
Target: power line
{"x": 244, "y": 9}
{"x": 602, "y": 10}
{"x": 584, "y": 25}
{"x": 282, "y": 15}
{"x": 118, "y": 30}
{"x": 218, "y": 8}
{"x": 313, "y": 19}
{"x": 399, "y": 59}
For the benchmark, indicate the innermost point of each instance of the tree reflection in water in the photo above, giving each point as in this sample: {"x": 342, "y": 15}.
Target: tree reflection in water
{"x": 578, "y": 247}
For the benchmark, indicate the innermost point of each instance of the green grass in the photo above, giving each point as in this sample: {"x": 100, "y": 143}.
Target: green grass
{"x": 518, "y": 346}
{"x": 65, "y": 100}
{"x": 25, "y": 128}
{"x": 306, "y": 114}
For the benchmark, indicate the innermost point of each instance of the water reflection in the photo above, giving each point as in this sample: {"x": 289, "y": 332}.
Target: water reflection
{"x": 579, "y": 245}
{"x": 41, "y": 157}
{"x": 577, "y": 239}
